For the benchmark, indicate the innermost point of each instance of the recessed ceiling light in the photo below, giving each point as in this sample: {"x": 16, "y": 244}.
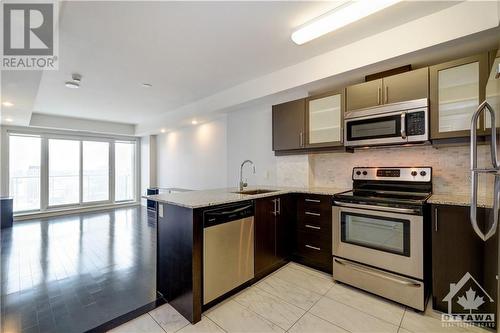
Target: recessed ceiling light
{"x": 72, "y": 85}
{"x": 75, "y": 81}
{"x": 194, "y": 122}
{"x": 9, "y": 120}
{"x": 7, "y": 104}
{"x": 339, "y": 17}
{"x": 163, "y": 130}
{"x": 147, "y": 85}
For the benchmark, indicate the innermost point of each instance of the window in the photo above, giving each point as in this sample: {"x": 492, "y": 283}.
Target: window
{"x": 64, "y": 172}
{"x": 95, "y": 171}
{"x": 48, "y": 171}
{"x": 24, "y": 172}
{"x": 124, "y": 171}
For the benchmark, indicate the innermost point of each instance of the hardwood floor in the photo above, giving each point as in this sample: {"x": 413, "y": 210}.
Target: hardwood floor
{"x": 75, "y": 272}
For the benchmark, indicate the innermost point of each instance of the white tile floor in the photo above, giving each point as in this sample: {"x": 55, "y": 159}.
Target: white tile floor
{"x": 296, "y": 299}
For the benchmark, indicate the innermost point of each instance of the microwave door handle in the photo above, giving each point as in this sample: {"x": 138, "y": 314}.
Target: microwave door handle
{"x": 403, "y": 125}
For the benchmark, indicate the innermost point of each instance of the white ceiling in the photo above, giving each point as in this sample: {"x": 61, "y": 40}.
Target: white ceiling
{"x": 186, "y": 50}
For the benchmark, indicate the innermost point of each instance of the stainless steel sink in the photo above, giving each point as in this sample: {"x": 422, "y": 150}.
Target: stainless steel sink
{"x": 254, "y": 192}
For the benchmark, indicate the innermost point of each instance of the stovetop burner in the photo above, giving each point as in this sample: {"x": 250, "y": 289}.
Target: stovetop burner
{"x": 390, "y": 187}
{"x": 388, "y": 196}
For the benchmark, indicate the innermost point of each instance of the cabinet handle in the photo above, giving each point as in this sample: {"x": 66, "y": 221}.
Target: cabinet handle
{"x": 313, "y": 247}
{"x": 313, "y": 214}
{"x": 274, "y": 212}
{"x": 386, "y": 94}
{"x": 313, "y": 200}
{"x": 312, "y": 227}
{"x": 301, "y": 136}
{"x": 435, "y": 219}
{"x": 379, "y": 92}
{"x": 279, "y": 206}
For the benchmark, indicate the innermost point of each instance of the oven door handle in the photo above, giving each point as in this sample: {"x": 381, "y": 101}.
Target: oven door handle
{"x": 381, "y": 208}
{"x": 366, "y": 270}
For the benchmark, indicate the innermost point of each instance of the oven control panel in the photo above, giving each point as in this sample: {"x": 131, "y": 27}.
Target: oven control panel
{"x": 406, "y": 174}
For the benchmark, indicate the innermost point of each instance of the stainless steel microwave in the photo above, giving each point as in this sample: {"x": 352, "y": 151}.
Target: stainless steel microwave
{"x": 397, "y": 123}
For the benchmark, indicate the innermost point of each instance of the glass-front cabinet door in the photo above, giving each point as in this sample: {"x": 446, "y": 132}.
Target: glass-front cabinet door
{"x": 324, "y": 117}
{"x": 493, "y": 90}
{"x": 456, "y": 90}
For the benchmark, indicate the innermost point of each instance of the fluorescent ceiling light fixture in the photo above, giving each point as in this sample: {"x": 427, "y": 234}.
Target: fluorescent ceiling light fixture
{"x": 162, "y": 130}
{"x": 9, "y": 120}
{"x": 194, "y": 122}
{"x": 7, "y": 104}
{"x": 339, "y": 17}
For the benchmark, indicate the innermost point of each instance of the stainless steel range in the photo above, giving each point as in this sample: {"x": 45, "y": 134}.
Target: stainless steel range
{"x": 379, "y": 233}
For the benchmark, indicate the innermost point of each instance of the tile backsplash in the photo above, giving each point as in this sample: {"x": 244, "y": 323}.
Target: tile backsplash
{"x": 450, "y": 166}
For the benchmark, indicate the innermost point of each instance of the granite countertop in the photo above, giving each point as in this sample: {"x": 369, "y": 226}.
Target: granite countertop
{"x": 205, "y": 198}
{"x": 460, "y": 200}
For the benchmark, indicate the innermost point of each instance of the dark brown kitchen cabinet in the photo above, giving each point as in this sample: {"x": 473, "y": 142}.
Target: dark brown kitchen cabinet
{"x": 289, "y": 125}
{"x": 313, "y": 233}
{"x": 391, "y": 89}
{"x": 456, "y": 89}
{"x": 271, "y": 233}
{"x": 457, "y": 250}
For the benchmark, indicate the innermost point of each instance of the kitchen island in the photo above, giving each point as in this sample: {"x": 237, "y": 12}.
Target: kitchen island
{"x": 180, "y": 239}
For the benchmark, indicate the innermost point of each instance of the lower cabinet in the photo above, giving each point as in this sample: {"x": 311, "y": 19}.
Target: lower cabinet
{"x": 313, "y": 233}
{"x": 456, "y": 251}
{"x": 273, "y": 226}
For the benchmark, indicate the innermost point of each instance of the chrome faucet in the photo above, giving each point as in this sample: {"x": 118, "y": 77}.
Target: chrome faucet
{"x": 242, "y": 183}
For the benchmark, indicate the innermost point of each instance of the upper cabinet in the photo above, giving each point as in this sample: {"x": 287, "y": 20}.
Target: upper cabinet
{"x": 324, "y": 117}
{"x": 313, "y": 122}
{"x": 392, "y": 89}
{"x": 289, "y": 125}
{"x": 406, "y": 86}
{"x": 456, "y": 89}
{"x": 493, "y": 89}
{"x": 364, "y": 95}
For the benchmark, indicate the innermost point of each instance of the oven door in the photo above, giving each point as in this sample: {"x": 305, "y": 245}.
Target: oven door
{"x": 387, "y": 240}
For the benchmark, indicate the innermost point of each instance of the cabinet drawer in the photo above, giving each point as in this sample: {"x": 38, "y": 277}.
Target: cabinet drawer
{"x": 320, "y": 223}
{"x": 314, "y": 200}
{"x": 314, "y": 245}
{"x": 314, "y": 212}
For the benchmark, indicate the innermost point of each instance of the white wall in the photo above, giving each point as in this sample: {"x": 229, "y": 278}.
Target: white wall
{"x": 249, "y": 136}
{"x": 193, "y": 157}
{"x": 209, "y": 155}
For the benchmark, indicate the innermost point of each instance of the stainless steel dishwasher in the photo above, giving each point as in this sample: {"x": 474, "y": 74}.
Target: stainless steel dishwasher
{"x": 228, "y": 249}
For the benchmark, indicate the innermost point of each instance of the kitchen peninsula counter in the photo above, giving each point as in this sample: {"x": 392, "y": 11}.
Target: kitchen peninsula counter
{"x": 206, "y": 198}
